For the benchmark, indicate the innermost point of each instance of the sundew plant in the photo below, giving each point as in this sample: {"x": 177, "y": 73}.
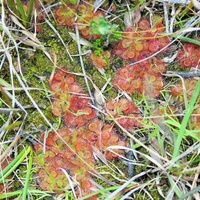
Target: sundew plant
{"x": 99, "y": 100}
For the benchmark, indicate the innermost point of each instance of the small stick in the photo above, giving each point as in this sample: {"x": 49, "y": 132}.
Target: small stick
{"x": 9, "y": 147}
{"x": 193, "y": 73}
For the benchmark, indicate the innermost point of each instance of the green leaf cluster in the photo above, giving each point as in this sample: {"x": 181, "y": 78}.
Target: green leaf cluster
{"x": 102, "y": 26}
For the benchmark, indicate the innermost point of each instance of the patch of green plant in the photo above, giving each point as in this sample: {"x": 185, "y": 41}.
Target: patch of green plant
{"x": 103, "y": 27}
{"x": 20, "y": 10}
{"x": 70, "y": 1}
{"x": 180, "y": 129}
{"x": 98, "y": 43}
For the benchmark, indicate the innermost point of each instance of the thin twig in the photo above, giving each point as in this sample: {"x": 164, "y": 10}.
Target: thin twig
{"x": 14, "y": 142}
{"x": 193, "y": 73}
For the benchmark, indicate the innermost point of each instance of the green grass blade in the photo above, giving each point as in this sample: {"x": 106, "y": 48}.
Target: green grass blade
{"x": 40, "y": 193}
{"x": 11, "y": 5}
{"x": 197, "y": 189}
{"x": 186, "y": 39}
{"x": 10, "y": 194}
{"x": 30, "y": 10}
{"x": 14, "y": 164}
{"x": 174, "y": 186}
{"x": 186, "y": 118}
{"x": 22, "y": 12}
{"x": 28, "y": 175}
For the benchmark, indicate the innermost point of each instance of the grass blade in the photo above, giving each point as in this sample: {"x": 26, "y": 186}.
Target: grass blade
{"x": 22, "y": 12}
{"x": 197, "y": 189}
{"x": 186, "y": 118}
{"x": 28, "y": 175}
{"x": 30, "y": 10}
{"x": 14, "y": 164}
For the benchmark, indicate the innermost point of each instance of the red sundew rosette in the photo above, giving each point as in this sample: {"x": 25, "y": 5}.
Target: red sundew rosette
{"x": 125, "y": 112}
{"x": 153, "y": 45}
{"x": 164, "y": 41}
{"x": 114, "y": 141}
{"x": 102, "y": 60}
{"x": 90, "y": 136}
{"x": 140, "y": 41}
{"x": 103, "y": 137}
{"x": 156, "y": 65}
{"x": 129, "y": 78}
{"x": 80, "y": 117}
{"x": 70, "y": 119}
{"x": 130, "y": 32}
{"x": 60, "y": 103}
{"x": 57, "y": 79}
{"x": 95, "y": 126}
{"x": 52, "y": 179}
{"x": 189, "y": 56}
{"x": 63, "y": 92}
{"x": 63, "y": 133}
{"x": 177, "y": 89}
{"x": 56, "y": 161}
{"x": 65, "y": 15}
{"x": 92, "y": 131}
{"x": 78, "y": 102}
{"x": 118, "y": 48}
{"x": 152, "y": 84}
{"x": 83, "y": 149}
{"x": 108, "y": 137}
{"x": 156, "y": 44}
{"x": 130, "y": 121}
{"x": 79, "y": 111}
{"x": 144, "y": 24}
{"x": 88, "y": 187}
{"x": 87, "y": 14}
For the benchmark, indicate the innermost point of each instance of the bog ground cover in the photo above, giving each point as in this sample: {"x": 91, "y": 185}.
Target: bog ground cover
{"x": 100, "y": 99}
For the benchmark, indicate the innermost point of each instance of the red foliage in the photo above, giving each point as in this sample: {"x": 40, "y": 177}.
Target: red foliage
{"x": 144, "y": 77}
{"x": 125, "y": 112}
{"x": 71, "y": 149}
{"x": 86, "y": 15}
{"x": 60, "y": 155}
{"x": 140, "y": 41}
{"x": 102, "y": 60}
{"x": 108, "y": 137}
{"x": 79, "y": 111}
{"x": 189, "y": 55}
{"x": 66, "y": 15}
{"x": 177, "y": 89}
{"x": 75, "y": 107}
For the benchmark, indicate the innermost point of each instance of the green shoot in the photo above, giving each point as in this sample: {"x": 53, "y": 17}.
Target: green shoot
{"x": 14, "y": 164}
{"x": 28, "y": 175}
{"x": 186, "y": 118}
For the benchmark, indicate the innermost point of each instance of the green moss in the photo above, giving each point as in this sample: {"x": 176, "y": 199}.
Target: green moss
{"x": 109, "y": 174}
